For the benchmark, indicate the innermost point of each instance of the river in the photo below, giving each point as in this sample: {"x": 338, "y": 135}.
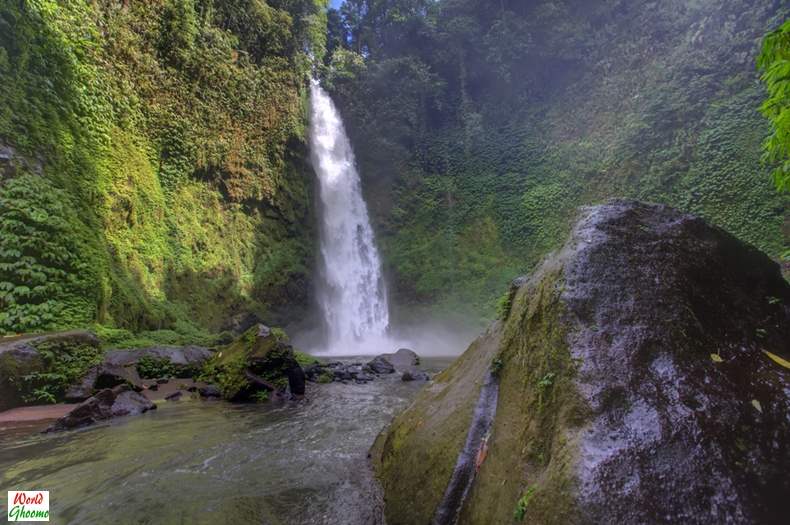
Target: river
{"x": 196, "y": 461}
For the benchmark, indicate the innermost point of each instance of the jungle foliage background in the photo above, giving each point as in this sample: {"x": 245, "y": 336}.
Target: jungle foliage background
{"x": 481, "y": 126}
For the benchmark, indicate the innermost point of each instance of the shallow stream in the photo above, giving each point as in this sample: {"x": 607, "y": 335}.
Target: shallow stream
{"x": 196, "y": 461}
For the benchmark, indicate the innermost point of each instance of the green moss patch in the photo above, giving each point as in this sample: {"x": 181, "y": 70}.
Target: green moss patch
{"x": 414, "y": 458}
{"x": 268, "y": 356}
{"x": 527, "y": 474}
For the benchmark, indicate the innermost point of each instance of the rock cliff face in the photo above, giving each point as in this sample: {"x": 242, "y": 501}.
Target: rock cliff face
{"x": 641, "y": 381}
{"x": 153, "y": 170}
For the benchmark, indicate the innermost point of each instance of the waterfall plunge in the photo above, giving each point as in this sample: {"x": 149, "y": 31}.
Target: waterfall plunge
{"x": 351, "y": 290}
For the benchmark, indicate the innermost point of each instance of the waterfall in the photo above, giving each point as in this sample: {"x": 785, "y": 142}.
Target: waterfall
{"x": 350, "y": 290}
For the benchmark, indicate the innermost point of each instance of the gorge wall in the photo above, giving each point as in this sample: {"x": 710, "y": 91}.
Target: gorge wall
{"x": 153, "y": 170}
{"x": 481, "y": 127}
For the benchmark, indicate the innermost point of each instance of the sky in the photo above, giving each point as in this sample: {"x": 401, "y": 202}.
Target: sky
{"x": 335, "y": 3}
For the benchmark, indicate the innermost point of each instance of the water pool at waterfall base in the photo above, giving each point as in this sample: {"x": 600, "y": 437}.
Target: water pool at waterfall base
{"x": 194, "y": 461}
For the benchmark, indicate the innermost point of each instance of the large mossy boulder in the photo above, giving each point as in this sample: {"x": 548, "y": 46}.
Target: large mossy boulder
{"x": 642, "y": 379}
{"x": 258, "y": 362}
{"x": 39, "y": 368}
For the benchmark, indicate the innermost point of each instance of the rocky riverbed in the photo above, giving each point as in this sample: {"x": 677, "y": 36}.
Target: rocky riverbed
{"x": 202, "y": 461}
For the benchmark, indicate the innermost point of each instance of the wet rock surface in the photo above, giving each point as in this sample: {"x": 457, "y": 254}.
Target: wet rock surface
{"x": 107, "y": 403}
{"x": 636, "y": 387}
{"x": 210, "y": 391}
{"x": 361, "y": 373}
{"x": 671, "y": 350}
{"x": 103, "y": 376}
{"x": 414, "y": 375}
{"x": 381, "y": 365}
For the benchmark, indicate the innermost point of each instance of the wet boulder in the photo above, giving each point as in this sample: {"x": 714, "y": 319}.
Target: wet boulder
{"x": 108, "y": 376}
{"x": 261, "y": 359}
{"x": 403, "y": 359}
{"x": 209, "y": 391}
{"x": 174, "y": 396}
{"x": 296, "y": 379}
{"x": 84, "y": 388}
{"x": 24, "y": 359}
{"x": 108, "y": 403}
{"x": 103, "y": 376}
{"x": 414, "y": 375}
{"x": 381, "y": 365}
{"x": 642, "y": 378}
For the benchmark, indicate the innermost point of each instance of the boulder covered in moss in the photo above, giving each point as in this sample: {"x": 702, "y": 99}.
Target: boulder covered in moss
{"x": 258, "y": 362}
{"x": 39, "y": 368}
{"x": 642, "y": 376}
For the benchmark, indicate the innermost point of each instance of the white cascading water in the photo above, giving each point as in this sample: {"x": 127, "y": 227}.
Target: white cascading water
{"x": 351, "y": 290}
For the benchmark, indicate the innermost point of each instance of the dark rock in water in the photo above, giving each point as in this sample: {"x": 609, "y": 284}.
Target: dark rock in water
{"x": 108, "y": 403}
{"x": 414, "y": 375}
{"x": 313, "y": 370}
{"x": 103, "y": 376}
{"x": 175, "y": 396}
{"x": 84, "y": 389}
{"x": 154, "y": 387}
{"x": 209, "y": 391}
{"x": 636, "y": 364}
{"x": 108, "y": 376}
{"x": 296, "y": 380}
{"x": 403, "y": 359}
{"x": 342, "y": 374}
{"x": 381, "y": 365}
{"x": 130, "y": 403}
{"x": 365, "y": 377}
{"x": 162, "y": 380}
{"x": 19, "y": 357}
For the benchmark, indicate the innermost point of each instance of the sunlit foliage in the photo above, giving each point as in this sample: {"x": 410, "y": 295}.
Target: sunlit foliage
{"x": 774, "y": 63}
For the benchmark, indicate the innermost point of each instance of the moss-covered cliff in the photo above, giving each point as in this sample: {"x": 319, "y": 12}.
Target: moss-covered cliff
{"x": 152, "y": 161}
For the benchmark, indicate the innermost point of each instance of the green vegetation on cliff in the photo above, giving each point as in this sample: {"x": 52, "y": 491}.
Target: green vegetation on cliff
{"x": 480, "y": 128}
{"x": 775, "y": 63}
{"x": 152, "y": 161}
